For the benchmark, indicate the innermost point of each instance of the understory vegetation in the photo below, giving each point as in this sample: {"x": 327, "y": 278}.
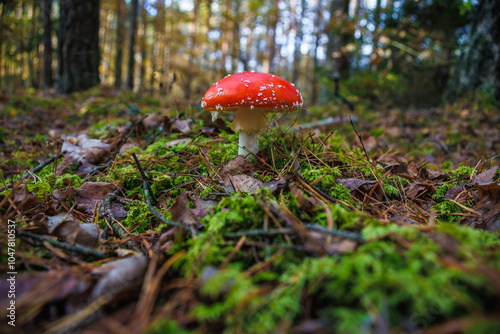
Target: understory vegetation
{"x": 145, "y": 216}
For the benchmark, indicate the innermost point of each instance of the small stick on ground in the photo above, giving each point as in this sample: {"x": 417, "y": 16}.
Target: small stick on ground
{"x": 65, "y": 246}
{"x": 361, "y": 140}
{"x": 108, "y": 214}
{"x": 32, "y": 171}
{"x": 287, "y": 230}
{"x": 148, "y": 193}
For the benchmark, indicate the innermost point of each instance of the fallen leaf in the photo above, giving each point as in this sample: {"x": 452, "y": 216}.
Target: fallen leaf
{"x": 246, "y": 183}
{"x": 456, "y": 193}
{"x": 417, "y": 188}
{"x": 181, "y": 212}
{"x": 120, "y": 277}
{"x": 175, "y": 142}
{"x": 183, "y": 126}
{"x": 92, "y": 193}
{"x": 486, "y": 177}
{"x": 308, "y": 204}
{"x": 151, "y": 121}
{"x": 238, "y": 165}
{"x": 82, "y": 149}
{"x": 72, "y": 232}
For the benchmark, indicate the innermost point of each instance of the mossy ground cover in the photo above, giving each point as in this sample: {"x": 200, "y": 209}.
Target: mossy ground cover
{"x": 397, "y": 232}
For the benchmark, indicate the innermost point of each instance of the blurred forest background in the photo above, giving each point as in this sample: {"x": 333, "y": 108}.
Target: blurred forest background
{"x": 385, "y": 52}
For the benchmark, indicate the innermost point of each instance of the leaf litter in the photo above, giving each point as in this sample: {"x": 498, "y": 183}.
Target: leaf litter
{"x": 311, "y": 236}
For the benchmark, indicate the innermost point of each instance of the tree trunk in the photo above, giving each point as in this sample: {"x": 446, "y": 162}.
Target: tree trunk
{"x": 336, "y": 60}
{"x": 144, "y": 46}
{"x": 133, "y": 27}
{"x": 478, "y": 66}
{"x": 268, "y": 64}
{"x": 119, "y": 42}
{"x": 46, "y": 10}
{"x": 78, "y": 49}
{"x": 317, "y": 33}
{"x": 298, "y": 41}
{"x": 31, "y": 47}
{"x": 235, "y": 53}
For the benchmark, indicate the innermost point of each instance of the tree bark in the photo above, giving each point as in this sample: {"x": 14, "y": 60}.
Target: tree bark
{"x": 336, "y": 62}
{"x": 131, "y": 59}
{"x": 46, "y": 10}
{"x": 268, "y": 63}
{"x": 78, "y": 50}
{"x": 144, "y": 46}
{"x": 119, "y": 42}
{"x": 478, "y": 66}
{"x": 298, "y": 40}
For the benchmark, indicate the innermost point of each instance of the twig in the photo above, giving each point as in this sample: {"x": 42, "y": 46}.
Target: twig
{"x": 288, "y": 230}
{"x": 108, "y": 215}
{"x": 115, "y": 149}
{"x": 147, "y": 195}
{"x": 361, "y": 140}
{"x": 327, "y": 121}
{"x": 147, "y": 188}
{"x": 32, "y": 171}
{"x": 65, "y": 246}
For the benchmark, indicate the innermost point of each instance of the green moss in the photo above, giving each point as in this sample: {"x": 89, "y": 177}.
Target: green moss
{"x": 166, "y": 326}
{"x": 139, "y": 217}
{"x": 462, "y": 170}
{"x": 68, "y": 179}
{"x": 441, "y": 191}
{"x": 448, "y": 211}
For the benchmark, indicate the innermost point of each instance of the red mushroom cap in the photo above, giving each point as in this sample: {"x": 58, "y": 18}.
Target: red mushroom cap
{"x": 252, "y": 90}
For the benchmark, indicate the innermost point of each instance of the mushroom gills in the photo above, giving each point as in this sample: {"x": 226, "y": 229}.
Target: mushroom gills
{"x": 249, "y": 120}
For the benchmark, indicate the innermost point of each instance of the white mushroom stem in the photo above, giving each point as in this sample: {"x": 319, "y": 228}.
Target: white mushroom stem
{"x": 248, "y": 122}
{"x": 249, "y": 142}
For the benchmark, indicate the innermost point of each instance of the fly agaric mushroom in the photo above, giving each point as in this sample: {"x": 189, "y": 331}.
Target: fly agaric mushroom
{"x": 251, "y": 95}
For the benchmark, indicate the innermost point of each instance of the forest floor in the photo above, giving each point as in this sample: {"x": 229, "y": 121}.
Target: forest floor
{"x": 123, "y": 213}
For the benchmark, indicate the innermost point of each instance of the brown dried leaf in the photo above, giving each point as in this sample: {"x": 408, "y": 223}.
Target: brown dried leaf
{"x": 181, "y": 212}
{"x": 151, "y": 121}
{"x": 454, "y": 192}
{"x": 276, "y": 185}
{"x": 416, "y": 188}
{"x": 398, "y": 168}
{"x": 119, "y": 277}
{"x": 246, "y": 183}
{"x": 183, "y": 126}
{"x": 308, "y": 204}
{"x": 83, "y": 149}
{"x": 429, "y": 174}
{"x": 239, "y": 165}
{"x": 74, "y": 233}
{"x": 201, "y": 207}
{"x": 491, "y": 189}
{"x": 92, "y": 193}
{"x": 167, "y": 126}
{"x": 69, "y": 230}
{"x": 486, "y": 177}
{"x": 354, "y": 184}
{"x": 175, "y": 142}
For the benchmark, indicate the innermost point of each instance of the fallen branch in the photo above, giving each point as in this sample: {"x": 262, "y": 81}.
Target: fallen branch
{"x": 287, "y": 230}
{"x": 327, "y": 121}
{"x": 65, "y": 246}
{"x": 148, "y": 193}
{"x": 31, "y": 172}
